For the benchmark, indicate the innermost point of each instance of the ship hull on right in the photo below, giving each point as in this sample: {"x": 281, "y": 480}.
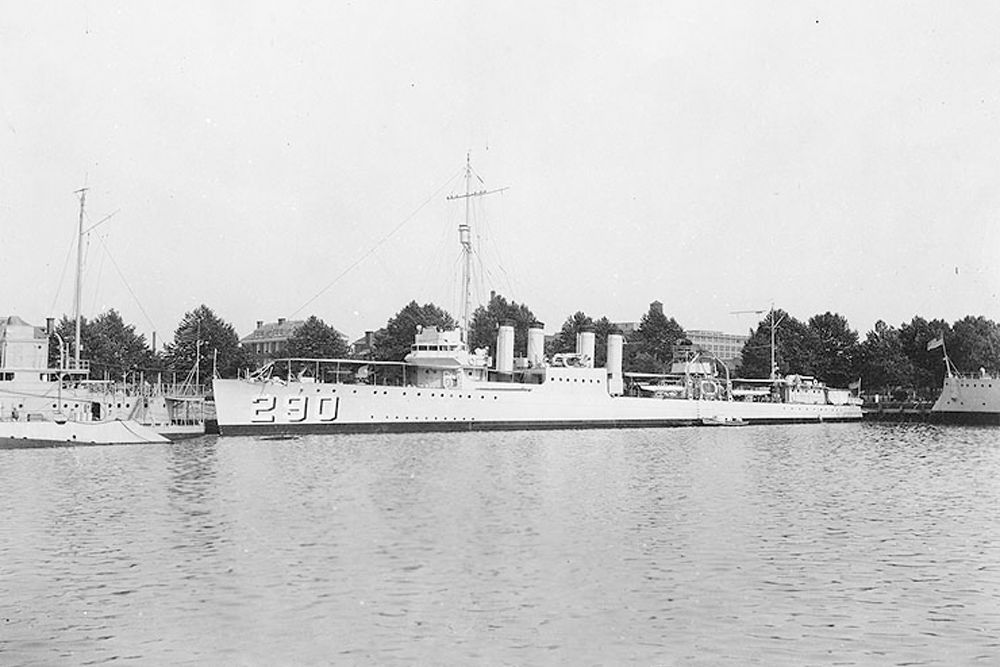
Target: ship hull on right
{"x": 968, "y": 400}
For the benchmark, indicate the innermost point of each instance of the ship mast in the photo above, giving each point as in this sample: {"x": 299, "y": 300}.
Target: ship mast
{"x": 465, "y": 238}
{"x": 79, "y": 270}
{"x": 78, "y": 298}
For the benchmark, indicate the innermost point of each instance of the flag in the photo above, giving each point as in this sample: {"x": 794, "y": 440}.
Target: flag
{"x": 935, "y": 343}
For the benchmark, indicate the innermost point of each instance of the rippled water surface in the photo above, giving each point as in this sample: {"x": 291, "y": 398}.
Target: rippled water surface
{"x": 836, "y": 544}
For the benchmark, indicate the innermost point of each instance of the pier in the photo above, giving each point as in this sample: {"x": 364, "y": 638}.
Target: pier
{"x": 897, "y": 411}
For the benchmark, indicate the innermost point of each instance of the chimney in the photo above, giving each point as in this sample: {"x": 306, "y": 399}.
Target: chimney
{"x": 281, "y": 320}
{"x": 616, "y": 382}
{"x": 505, "y": 348}
{"x": 50, "y": 325}
{"x": 370, "y": 339}
{"x": 536, "y": 344}
{"x": 585, "y": 345}
{"x": 260, "y": 324}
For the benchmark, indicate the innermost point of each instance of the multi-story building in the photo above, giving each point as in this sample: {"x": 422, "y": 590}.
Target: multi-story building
{"x": 727, "y": 347}
{"x": 271, "y": 339}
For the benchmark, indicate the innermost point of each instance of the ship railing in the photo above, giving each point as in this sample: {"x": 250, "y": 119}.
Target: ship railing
{"x": 981, "y": 375}
{"x": 338, "y": 371}
{"x": 81, "y": 367}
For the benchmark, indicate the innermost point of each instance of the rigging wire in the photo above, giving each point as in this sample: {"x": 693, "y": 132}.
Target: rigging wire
{"x": 126, "y": 283}
{"x": 377, "y": 245}
{"x": 486, "y": 241}
{"x": 100, "y": 272}
{"x": 440, "y": 276}
{"x": 62, "y": 276}
{"x": 500, "y": 260}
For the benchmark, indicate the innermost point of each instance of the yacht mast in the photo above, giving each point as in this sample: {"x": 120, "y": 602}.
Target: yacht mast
{"x": 79, "y": 270}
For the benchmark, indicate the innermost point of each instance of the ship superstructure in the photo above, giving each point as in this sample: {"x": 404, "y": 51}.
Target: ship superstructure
{"x": 442, "y": 388}
{"x": 443, "y": 385}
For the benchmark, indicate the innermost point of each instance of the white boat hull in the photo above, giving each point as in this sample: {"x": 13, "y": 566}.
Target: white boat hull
{"x": 51, "y": 433}
{"x": 572, "y": 401}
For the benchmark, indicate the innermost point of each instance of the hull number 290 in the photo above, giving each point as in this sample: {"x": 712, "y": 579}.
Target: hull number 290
{"x": 268, "y": 409}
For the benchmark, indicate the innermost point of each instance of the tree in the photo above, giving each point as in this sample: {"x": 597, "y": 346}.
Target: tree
{"x": 834, "y": 349}
{"x": 314, "y": 339}
{"x": 928, "y": 365}
{"x": 112, "y": 347}
{"x": 205, "y": 340}
{"x": 886, "y": 368}
{"x": 393, "y": 341}
{"x": 974, "y": 344}
{"x": 485, "y": 322}
{"x": 651, "y": 348}
{"x": 565, "y": 340}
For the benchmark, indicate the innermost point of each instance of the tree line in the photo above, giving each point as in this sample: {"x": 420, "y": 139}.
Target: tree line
{"x": 890, "y": 360}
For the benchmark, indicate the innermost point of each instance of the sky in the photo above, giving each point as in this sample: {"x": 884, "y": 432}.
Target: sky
{"x": 293, "y": 159}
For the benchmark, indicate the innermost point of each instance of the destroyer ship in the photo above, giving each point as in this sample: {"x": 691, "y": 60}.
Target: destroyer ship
{"x": 442, "y": 385}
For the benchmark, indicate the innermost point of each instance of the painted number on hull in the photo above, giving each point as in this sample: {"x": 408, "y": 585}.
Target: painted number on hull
{"x": 294, "y": 409}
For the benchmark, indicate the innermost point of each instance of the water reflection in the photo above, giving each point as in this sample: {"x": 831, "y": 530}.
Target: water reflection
{"x": 854, "y": 544}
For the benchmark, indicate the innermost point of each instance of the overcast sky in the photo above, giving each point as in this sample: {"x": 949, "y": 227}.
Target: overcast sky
{"x": 715, "y": 156}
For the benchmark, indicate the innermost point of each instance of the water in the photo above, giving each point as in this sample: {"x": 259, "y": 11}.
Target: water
{"x": 827, "y": 544}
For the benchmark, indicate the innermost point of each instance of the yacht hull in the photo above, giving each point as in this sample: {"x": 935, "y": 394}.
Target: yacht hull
{"x": 69, "y": 433}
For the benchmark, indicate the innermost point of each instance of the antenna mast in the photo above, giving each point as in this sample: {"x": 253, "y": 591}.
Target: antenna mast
{"x": 465, "y": 238}
{"x": 774, "y": 326}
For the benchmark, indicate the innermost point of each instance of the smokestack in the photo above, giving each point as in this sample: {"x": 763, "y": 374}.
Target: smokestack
{"x": 585, "y": 346}
{"x": 536, "y": 344}
{"x": 505, "y": 348}
{"x": 616, "y": 383}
